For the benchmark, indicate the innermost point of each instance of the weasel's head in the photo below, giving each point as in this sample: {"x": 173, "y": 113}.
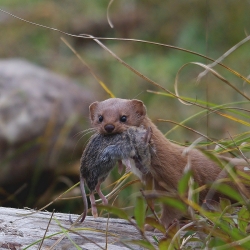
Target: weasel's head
{"x": 116, "y": 115}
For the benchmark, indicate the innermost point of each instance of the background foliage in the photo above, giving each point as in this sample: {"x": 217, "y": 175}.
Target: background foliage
{"x": 207, "y": 27}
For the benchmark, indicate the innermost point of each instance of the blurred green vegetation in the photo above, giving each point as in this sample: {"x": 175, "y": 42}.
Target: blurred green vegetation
{"x": 207, "y": 27}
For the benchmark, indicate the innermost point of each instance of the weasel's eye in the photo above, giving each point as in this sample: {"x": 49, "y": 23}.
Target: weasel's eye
{"x": 123, "y": 118}
{"x": 100, "y": 118}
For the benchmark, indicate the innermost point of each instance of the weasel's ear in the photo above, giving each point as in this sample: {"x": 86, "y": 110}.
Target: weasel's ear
{"x": 92, "y": 109}
{"x": 139, "y": 107}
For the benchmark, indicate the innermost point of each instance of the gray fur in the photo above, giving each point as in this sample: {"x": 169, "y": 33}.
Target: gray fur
{"x": 103, "y": 151}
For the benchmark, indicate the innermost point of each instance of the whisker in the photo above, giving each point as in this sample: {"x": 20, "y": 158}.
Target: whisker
{"x": 86, "y": 142}
{"x": 82, "y": 132}
{"x": 86, "y": 133}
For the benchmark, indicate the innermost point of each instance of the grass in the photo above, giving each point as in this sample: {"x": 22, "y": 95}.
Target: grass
{"x": 213, "y": 225}
{"x": 221, "y": 225}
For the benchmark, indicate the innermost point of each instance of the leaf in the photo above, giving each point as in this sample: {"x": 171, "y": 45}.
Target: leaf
{"x": 183, "y": 183}
{"x": 245, "y": 176}
{"x": 216, "y": 232}
{"x": 154, "y": 223}
{"x": 188, "y": 233}
{"x": 216, "y": 242}
{"x": 155, "y": 239}
{"x": 114, "y": 210}
{"x": 235, "y": 119}
{"x": 200, "y": 244}
{"x": 229, "y": 219}
{"x": 228, "y": 191}
{"x": 195, "y": 195}
{"x": 139, "y": 212}
{"x": 164, "y": 244}
{"x": 172, "y": 234}
{"x": 174, "y": 202}
{"x": 246, "y": 244}
{"x": 212, "y": 157}
{"x": 243, "y": 218}
{"x": 142, "y": 243}
{"x": 233, "y": 232}
{"x": 225, "y": 203}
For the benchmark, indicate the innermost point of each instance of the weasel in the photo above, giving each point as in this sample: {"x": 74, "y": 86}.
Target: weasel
{"x": 101, "y": 154}
{"x": 115, "y": 115}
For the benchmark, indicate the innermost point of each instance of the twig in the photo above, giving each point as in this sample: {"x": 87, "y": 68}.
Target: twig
{"x": 40, "y": 246}
{"x": 149, "y": 205}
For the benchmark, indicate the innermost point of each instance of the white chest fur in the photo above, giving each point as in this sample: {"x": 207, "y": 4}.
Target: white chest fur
{"x": 130, "y": 166}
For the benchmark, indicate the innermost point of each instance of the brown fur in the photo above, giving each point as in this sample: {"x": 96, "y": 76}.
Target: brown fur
{"x": 168, "y": 163}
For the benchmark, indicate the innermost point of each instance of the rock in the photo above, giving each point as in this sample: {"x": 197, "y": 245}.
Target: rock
{"x": 40, "y": 114}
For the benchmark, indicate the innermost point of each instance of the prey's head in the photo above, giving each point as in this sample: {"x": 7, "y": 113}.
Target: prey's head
{"x": 116, "y": 115}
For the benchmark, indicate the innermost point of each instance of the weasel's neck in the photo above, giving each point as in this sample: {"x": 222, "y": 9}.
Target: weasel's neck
{"x": 160, "y": 141}
{"x": 166, "y": 150}
{"x": 168, "y": 162}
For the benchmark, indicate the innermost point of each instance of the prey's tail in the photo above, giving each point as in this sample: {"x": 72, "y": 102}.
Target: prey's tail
{"x": 85, "y": 202}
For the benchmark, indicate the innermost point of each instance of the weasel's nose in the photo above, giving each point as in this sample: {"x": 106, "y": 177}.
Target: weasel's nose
{"x": 109, "y": 128}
